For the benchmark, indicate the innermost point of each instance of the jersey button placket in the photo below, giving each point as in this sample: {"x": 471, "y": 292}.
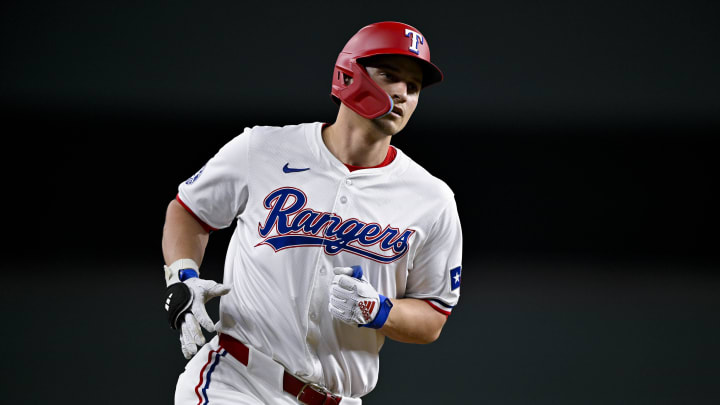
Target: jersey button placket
{"x": 343, "y": 198}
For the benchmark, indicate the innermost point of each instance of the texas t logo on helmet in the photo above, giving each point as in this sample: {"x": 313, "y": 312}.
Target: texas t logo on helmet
{"x": 416, "y": 37}
{"x": 363, "y": 95}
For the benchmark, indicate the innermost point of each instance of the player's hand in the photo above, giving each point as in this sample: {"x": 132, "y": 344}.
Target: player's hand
{"x": 185, "y": 302}
{"x": 354, "y": 300}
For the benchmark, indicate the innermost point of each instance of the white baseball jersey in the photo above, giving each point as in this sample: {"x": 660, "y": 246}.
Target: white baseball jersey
{"x": 300, "y": 212}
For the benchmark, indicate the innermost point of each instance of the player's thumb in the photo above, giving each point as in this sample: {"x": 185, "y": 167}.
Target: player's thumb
{"x": 217, "y": 290}
{"x": 354, "y": 271}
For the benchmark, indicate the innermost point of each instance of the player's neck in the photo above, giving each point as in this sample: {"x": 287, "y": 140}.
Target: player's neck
{"x": 356, "y": 142}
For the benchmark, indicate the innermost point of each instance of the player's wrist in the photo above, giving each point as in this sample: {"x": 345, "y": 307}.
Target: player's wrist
{"x": 181, "y": 270}
{"x": 382, "y": 315}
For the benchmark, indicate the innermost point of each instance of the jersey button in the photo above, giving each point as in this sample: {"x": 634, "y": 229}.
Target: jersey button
{"x": 322, "y": 270}
{"x": 348, "y": 182}
{"x": 313, "y": 316}
{"x": 343, "y": 199}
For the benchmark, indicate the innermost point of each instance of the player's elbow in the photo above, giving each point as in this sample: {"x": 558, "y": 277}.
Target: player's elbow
{"x": 426, "y": 339}
{"x": 432, "y": 325}
{"x": 432, "y": 334}
{"x": 432, "y": 328}
{"x": 413, "y": 321}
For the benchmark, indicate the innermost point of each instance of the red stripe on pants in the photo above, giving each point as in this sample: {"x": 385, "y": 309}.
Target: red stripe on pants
{"x": 202, "y": 372}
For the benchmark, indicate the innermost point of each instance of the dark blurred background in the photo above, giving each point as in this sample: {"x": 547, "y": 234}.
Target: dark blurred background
{"x": 579, "y": 138}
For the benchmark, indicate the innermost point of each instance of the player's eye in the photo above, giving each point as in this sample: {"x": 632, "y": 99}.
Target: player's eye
{"x": 388, "y": 75}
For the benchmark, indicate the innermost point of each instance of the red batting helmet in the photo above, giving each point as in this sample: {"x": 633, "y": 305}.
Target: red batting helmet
{"x": 363, "y": 95}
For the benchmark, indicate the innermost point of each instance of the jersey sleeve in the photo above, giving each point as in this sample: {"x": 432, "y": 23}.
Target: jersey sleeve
{"x": 436, "y": 270}
{"x": 218, "y": 192}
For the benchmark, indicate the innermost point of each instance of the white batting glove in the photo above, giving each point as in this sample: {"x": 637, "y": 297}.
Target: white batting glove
{"x": 191, "y": 337}
{"x": 354, "y": 300}
{"x": 185, "y": 303}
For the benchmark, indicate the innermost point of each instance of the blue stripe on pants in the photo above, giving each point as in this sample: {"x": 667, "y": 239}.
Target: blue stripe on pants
{"x": 212, "y": 368}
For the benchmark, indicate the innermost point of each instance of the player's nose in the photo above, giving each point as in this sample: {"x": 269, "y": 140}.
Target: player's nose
{"x": 399, "y": 91}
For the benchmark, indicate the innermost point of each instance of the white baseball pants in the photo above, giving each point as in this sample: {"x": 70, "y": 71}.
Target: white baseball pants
{"x": 214, "y": 377}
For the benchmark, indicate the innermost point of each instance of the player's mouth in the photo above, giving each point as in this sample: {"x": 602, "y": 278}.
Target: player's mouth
{"x": 397, "y": 111}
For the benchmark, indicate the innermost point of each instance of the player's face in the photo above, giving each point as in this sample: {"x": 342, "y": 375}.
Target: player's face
{"x": 401, "y": 77}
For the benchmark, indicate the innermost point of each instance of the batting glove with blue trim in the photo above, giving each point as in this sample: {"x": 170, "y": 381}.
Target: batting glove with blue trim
{"x": 354, "y": 300}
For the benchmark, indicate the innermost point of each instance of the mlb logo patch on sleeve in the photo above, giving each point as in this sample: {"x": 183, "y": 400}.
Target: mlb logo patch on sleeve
{"x": 455, "y": 278}
{"x": 192, "y": 179}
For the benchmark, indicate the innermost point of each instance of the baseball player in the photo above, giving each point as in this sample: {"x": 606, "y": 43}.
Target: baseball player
{"x": 341, "y": 240}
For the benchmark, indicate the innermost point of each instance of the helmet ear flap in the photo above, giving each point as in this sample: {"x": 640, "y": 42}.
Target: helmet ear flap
{"x": 363, "y": 95}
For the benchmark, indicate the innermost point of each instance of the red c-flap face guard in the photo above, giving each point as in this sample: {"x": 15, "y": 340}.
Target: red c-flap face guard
{"x": 363, "y": 95}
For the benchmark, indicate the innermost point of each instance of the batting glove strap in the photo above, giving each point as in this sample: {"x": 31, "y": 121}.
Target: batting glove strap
{"x": 185, "y": 274}
{"x": 178, "y": 300}
{"x": 382, "y": 315}
{"x": 181, "y": 270}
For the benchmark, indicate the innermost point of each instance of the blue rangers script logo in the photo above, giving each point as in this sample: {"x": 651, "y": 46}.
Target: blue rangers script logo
{"x": 289, "y": 224}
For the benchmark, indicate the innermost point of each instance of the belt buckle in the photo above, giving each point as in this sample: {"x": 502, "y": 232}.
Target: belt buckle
{"x": 314, "y": 387}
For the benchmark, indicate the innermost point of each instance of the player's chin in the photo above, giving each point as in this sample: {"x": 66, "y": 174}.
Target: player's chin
{"x": 390, "y": 124}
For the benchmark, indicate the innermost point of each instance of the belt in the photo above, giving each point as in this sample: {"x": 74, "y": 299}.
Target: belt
{"x": 306, "y": 393}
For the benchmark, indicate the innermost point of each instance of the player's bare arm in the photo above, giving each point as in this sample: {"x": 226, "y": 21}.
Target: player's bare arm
{"x": 413, "y": 321}
{"x": 183, "y": 244}
{"x": 183, "y": 236}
